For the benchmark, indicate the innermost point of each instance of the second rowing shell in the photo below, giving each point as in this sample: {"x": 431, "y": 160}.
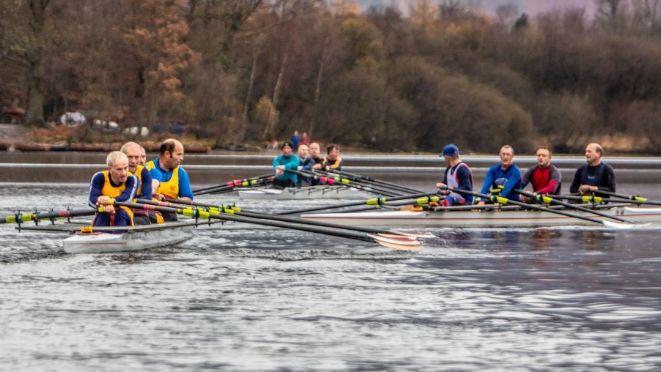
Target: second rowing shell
{"x": 514, "y": 218}
{"x": 305, "y": 193}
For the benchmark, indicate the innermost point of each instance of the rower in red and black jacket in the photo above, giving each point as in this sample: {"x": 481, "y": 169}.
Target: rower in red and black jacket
{"x": 545, "y": 177}
{"x": 594, "y": 175}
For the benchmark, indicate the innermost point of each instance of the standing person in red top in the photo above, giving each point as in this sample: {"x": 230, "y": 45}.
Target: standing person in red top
{"x": 545, "y": 177}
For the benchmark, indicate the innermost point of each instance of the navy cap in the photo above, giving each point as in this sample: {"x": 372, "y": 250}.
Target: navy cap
{"x": 287, "y": 144}
{"x": 450, "y": 150}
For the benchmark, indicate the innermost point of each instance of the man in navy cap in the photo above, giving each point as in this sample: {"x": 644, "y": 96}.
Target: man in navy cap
{"x": 283, "y": 162}
{"x": 457, "y": 175}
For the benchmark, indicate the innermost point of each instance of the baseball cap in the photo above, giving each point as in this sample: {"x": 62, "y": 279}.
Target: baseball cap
{"x": 450, "y": 150}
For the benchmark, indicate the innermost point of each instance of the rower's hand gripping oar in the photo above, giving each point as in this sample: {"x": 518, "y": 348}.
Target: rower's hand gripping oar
{"x": 501, "y": 200}
{"x": 548, "y": 199}
{"x": 230, "y": 216}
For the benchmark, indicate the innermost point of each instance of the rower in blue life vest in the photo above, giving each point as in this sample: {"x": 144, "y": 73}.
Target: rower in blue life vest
{"x": 504, "y": 178}
{"x": 281, "y": 163}
{"x": 594, "y": 174}
{"x": 133, "y": 152}
{"x": 169, "y": 179}
{"x": 457, "y": 175}
{"x": 113, "y": 184}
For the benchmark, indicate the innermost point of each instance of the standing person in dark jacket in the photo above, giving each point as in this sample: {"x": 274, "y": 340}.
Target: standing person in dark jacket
{"x": 594, "y": 175}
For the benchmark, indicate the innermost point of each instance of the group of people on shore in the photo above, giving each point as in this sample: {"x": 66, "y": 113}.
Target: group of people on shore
{"x": 290, "y": 168}
{"x": 505, "y": 179}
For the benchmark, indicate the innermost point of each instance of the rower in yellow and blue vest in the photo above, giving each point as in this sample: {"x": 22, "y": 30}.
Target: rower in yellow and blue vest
{"x": 113, "y": 184}
{"x": 169, "y": 179}
{"x": 133, "y": 152}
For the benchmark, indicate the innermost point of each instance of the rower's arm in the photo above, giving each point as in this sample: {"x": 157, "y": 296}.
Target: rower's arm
{"x": 609, "y": 179}
{"x": 513, "y": 181}
{"x": 146, "y": 187}
{"x": 184, "y": 185}
{"x": 96, "y": 185}
{"x": 130, "y": 190}
{"x": 576, "y": 183}
{"x": 488, "y": 180}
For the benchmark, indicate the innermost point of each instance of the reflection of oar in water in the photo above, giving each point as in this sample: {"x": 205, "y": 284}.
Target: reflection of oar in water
{"x": 19, "y": 218}
{"x": 368, "y": 181}
{"x": 549, "y": 199}
{"x": 229, "y": 186}
{"x": 340, "y": 181}
{"x": 265, "y": 216}
{"x": 403, "y": 244}
{"x": 501, "y": 200}
{"x": 376, "y": 181}
{"x": 630, "y": 198}
{"x": 425, "y": 198}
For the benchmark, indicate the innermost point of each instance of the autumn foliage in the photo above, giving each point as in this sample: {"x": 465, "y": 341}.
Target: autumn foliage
{"x": 250, "y": 70}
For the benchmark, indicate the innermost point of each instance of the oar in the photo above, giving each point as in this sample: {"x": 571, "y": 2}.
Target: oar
{"x": 373, "y": 183}
{"x": 549, "y": 199}
{"x": 331, "y": 178}
{"x": 373, "y": 202}
{"x": 587, "y": 199}
{"x": 344, "y": 173}
{"x": 176, "y": 203}
{"x": 229, "y": 186}
{"x": 338, "y": 232}
{"x": 501, "y": 200}
{"x": 19, "y": 218}
{"x": 633, "y": 198}
{"x": 341, "y": 181}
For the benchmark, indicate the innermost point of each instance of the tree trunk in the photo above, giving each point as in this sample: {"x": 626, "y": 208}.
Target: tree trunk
{"x": 251, "y": 84}
{"x": 317, "y": 90}
{"x": 276, "y": 95}
{"x": 35, "y": 63}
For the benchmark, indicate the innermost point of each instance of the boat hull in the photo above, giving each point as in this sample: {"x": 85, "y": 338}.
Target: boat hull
{"x": 305, "y": 193}
{"x": 133, "y": 240}
{"x": 492, "y": 218}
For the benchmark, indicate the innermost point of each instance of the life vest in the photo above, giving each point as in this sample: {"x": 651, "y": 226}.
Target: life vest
{"x": 114, "y": 191}
{"x": 168, "y": 188}
{"x": 453, "y": 179}
{"x": 138, "y": 175}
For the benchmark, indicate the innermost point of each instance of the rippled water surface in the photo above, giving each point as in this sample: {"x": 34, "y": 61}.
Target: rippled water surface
{"x": 245, "y": 298}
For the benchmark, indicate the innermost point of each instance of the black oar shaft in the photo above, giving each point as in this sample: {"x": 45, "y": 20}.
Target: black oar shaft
{"x": 35, "y": 216}
{"x": 530, "y": 206}
{"x": 343, "y": 182}
{"x": 551, "y": 199}
{"x": 197, "y": 213}
{"x": 372, "y": 180}
{"x": 375, "y": 202}
{"x": 631, "y": 198}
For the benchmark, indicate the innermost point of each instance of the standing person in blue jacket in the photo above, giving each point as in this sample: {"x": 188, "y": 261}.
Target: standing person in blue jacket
{"x": 505, "y": 174}
{"x": 295, "y": 140}
{"x": 280, "y": 165}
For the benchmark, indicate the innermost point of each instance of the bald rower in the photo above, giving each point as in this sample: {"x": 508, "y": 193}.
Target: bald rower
{"x": 169, "y": 179}
{"x": 133, "y": 152}
{"x": 113, "y": 184}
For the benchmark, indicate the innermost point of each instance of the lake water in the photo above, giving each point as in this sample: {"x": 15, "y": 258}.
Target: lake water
{"x": 246, "y": 298}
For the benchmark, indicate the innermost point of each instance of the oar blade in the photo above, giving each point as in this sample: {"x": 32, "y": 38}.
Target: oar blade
{"x": 408, "y": 245}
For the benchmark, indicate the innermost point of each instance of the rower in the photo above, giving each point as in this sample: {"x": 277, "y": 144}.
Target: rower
{"x": 504, "y": 178}
{"x": 283, "y": 162}
{"x": 315, "y": 155}
{"x": 457, "y": 175}
{"x": 113, "y": 184}
{"x": 143, "y": 156}
{"x": 332, "y": 161}
{"x": 594, "y": 174}
{"x": 545, "y": 177}
{"x": 169, "y": 179}
{"x": 133, "y": 152}
{"x": 306, "y": 164}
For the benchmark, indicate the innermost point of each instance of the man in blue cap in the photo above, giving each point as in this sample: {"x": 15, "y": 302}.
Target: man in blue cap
{"x": 457, "y": 175}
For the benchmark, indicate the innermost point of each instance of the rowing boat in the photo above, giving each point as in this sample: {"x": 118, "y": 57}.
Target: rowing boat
{"x": 305, "y": 193}
{"x": 506, "y": 217}
{"x": 131, "y": 238}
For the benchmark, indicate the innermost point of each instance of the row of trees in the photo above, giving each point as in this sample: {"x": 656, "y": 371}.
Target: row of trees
{"x": 246, "y": 70}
